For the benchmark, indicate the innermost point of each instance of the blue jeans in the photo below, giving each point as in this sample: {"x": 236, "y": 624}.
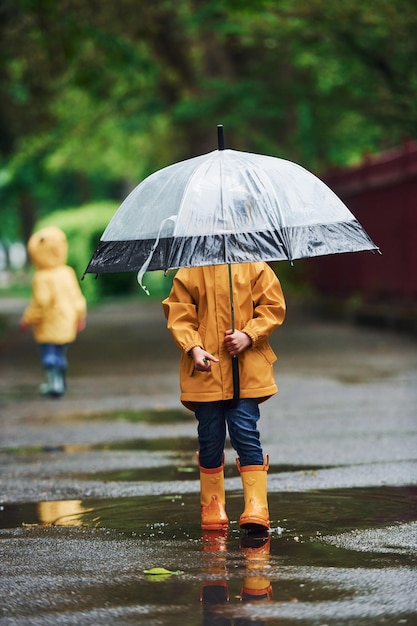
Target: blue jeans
{"x": 242, "y": 425}
{"x": 53, "y": 355}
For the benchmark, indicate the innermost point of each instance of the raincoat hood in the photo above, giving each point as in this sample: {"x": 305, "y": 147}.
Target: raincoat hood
{"x": 48, "y": 248}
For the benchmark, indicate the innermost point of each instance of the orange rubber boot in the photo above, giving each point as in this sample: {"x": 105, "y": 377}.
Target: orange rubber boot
{"x": 212, "y": 498}
{"x": 255, "y": 517}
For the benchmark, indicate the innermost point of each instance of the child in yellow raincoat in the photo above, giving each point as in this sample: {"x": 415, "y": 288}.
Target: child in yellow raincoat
{"x": 198, "y": 313}
{"x": 57, "y": 309}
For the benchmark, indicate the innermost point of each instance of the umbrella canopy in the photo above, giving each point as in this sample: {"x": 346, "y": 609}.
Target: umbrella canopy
{"x": 226, "y": 206}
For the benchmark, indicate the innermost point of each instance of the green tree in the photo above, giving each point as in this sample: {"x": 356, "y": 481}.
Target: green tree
{"x": 96, "y": 96}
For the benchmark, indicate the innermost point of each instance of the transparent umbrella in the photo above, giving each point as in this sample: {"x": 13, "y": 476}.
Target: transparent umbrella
{"x": 226, "y": 207}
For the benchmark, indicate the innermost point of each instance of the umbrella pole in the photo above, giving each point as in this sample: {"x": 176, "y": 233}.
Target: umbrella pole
{"x": 232, "y": 306}
{"x": 235, "y": 360}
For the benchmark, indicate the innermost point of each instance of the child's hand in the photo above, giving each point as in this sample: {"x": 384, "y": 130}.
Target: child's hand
{"x": 236, "y": 342}
{"x": 202, "y": 359}
{"x": 23, "y": 325}
{"x": 80, "y": 325}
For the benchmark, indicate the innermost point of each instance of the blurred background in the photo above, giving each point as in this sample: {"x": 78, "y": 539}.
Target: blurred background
{"x": 96, "y": 95}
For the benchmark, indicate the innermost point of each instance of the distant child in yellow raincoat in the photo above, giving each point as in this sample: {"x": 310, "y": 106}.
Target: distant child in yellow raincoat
{"x": 198, "y": 313}
{"x": 57, "y": 310}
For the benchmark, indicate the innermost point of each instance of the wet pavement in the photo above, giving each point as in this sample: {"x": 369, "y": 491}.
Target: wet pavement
{"x": 101, "y": 486}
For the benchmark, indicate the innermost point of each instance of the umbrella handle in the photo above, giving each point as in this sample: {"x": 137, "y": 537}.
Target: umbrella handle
{"x": 236, "y": 382}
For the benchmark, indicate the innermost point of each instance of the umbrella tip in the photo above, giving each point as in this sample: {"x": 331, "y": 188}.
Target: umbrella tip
{"x": 220, "y": 136}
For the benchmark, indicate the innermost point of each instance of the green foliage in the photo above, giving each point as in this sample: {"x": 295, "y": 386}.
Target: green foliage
{"x": 92, "y": 101}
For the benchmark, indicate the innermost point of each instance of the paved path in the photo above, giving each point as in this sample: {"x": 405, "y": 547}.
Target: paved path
{"x": 347, "y": 404}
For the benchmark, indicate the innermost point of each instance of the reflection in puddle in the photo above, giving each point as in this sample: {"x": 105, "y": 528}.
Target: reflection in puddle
{"x": 60, "y": 512}
{"x": 294, "y": 574}
{"x": 256, "y": 584}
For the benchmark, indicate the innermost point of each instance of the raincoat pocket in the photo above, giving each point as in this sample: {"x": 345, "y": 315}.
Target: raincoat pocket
{"x": 267, "y": 353}
{"x": 256, "y": 368}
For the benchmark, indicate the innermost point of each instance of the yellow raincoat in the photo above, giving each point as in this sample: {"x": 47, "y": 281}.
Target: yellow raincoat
{"x": 198, "y": 313}
{"x": 57, "y": 305}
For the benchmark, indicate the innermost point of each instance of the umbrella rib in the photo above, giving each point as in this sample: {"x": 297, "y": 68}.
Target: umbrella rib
{"x": 232, "y": 308}
{"x": 266, "y": 184}
{"x": 280, "y": 228}
{"x": 190, "y": 178}
{"x": 226, "y": 255}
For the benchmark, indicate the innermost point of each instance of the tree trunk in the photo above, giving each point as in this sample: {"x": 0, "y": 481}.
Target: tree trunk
{"x": 27, "y": 214}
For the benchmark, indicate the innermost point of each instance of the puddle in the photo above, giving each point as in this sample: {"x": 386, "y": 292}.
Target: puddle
{"x": 179, "y": 471}
{"x": 157, "y": 444}
{"x": 178, "y": 466}
{"x": 298, "y": 516}
{"x": 154, "y": 416}
{"x": 150, "y": 416}
{"x": 166, "y": 473}
{"x": 337, "y": 557}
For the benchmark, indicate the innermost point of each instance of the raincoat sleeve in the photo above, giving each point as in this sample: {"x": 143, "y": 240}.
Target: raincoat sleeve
{"x": 268, "y": 306}
{"x": 181, "y": 314}
{"x": 40, "y": 301}
{"x": 78, "y": 300}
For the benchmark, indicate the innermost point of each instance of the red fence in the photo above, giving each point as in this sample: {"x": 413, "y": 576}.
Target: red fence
{"x": 382, "y": 194}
